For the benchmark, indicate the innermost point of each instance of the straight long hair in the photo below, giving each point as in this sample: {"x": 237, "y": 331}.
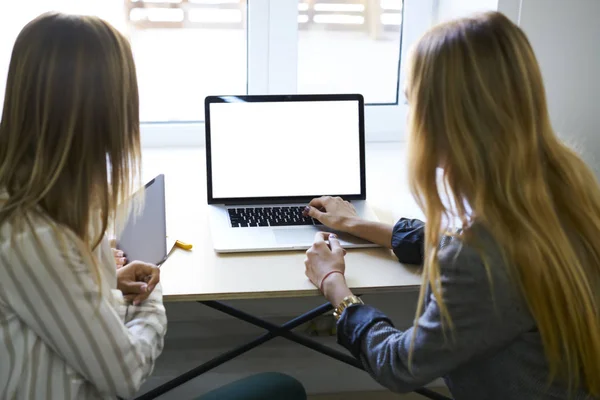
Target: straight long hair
{"x": 478, "y": 109}
{"x": 69, "y": 134}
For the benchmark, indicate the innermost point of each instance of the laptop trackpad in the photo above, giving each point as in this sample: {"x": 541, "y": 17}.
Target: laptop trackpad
{"x": 295, "y": 236}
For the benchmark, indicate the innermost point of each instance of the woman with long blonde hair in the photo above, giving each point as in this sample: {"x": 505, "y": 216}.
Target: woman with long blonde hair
{"x": 69, "y": 155}
{"x": 510, "y": 302}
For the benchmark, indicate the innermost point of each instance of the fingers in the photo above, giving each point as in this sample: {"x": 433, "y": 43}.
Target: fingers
{"x": 320, "y": 239}
{"x": 317, "y": 206}
{"x": 137, "y": 280}
{"x": 141, "y": 268}
{"x": 334, "y": 242}
{"x": 335, "y": 246}
{"x": 313, "y": 212}
{"x": 321, "y": 208}
{"x": 137, "y": 292}
{"x": 154, "y": 279}
{"x": 321, "y": 236}
{"x": 320, "y": 202}
{"x": 132, "y": 287}
{"x": 147, "y": 273}
{"x": 120, "y": 259}
{"x": 324, "y": 201}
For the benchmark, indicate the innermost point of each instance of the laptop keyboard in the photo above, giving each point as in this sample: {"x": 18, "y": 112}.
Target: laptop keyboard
{"x": 269, "y": 216}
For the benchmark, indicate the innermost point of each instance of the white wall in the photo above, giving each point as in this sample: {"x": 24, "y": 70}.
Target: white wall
{"x": 566, "y": 38}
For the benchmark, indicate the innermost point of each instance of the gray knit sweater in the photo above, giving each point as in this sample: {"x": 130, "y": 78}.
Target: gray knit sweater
{"x": 495, "y": 351}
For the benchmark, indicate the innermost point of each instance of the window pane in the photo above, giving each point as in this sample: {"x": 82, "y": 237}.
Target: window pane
{"x": 350, "y": 46}
{"x": 184, "y": 49}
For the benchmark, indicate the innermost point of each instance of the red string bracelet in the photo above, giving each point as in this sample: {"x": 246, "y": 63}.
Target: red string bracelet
{"x": 326, "y": 276}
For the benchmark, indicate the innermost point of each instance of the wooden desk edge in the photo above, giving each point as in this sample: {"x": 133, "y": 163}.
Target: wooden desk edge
{"x": 174, "y": 298}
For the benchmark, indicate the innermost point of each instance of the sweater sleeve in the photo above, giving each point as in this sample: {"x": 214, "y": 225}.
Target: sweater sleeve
{"x": 408, "y": 241}
{"x": 408, "y": 238}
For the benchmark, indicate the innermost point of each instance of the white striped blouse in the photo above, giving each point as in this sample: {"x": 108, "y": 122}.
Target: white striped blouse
{"x": 63, "y": 337}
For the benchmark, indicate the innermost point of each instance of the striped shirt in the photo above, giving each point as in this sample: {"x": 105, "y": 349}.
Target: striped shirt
{"x": 63, "y": 336}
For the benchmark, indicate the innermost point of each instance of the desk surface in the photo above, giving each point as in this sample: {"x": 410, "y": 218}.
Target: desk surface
{"x": 202, "y": 274}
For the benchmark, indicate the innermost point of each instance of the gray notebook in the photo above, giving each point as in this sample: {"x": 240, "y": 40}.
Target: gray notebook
{"x": 144, "y": 237}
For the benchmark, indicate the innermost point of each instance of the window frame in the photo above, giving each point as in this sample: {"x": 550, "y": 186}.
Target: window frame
{"x": 272, "y": 54}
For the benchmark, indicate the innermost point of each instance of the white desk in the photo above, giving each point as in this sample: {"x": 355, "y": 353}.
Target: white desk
{"x": 204, "y": 276}
{"x": 201, "y": 274}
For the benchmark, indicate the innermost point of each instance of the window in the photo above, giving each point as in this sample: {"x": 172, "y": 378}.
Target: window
{"x": 188, "y": 49}
{"x": 350, "y": 46}
{"x": 184, "y": 50}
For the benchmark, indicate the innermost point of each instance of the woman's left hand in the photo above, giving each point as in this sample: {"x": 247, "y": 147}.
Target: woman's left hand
{"x": 137, "y": 280}
{"x": 325, "y": 263}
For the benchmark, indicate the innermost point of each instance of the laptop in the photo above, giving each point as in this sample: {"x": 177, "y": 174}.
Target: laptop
{"x": 144, "y": 236}
{"x": 268, "y": 156}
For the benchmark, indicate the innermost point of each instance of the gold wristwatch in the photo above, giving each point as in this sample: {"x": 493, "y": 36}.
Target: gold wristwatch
{"x": 347, "y": 302}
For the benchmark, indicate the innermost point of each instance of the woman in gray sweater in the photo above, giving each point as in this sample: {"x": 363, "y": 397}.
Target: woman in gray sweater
{"x": 510, "y": 302}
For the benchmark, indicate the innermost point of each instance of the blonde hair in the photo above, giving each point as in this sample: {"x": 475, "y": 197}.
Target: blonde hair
{"x": 478, "y": 109}
{"x": 69, "y": 134}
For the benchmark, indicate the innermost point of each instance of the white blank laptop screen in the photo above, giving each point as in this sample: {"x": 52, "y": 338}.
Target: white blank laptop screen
{"x": 285, "y": 149}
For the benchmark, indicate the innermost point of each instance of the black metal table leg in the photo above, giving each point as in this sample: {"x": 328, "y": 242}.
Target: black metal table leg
{"x": 274, "y": 331}
{"x": 311, "y": 344}
{"x": 223, "y": 358}
{"x": 306, "y": 342}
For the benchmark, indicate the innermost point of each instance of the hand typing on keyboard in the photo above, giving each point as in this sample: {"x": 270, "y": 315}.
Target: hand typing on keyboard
{"x": 333, "y": 212}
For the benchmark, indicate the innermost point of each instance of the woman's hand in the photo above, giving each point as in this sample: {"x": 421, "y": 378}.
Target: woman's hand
{"x": 325, "y": 267}
{"x": 333, "y": 212}
{"x": 120, "y": 259}
{"x": 136, "y": 281}
{"x": 341, "y": 216}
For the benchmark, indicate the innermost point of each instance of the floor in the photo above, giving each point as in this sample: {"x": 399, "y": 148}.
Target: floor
{"x": 374, "y": 396}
